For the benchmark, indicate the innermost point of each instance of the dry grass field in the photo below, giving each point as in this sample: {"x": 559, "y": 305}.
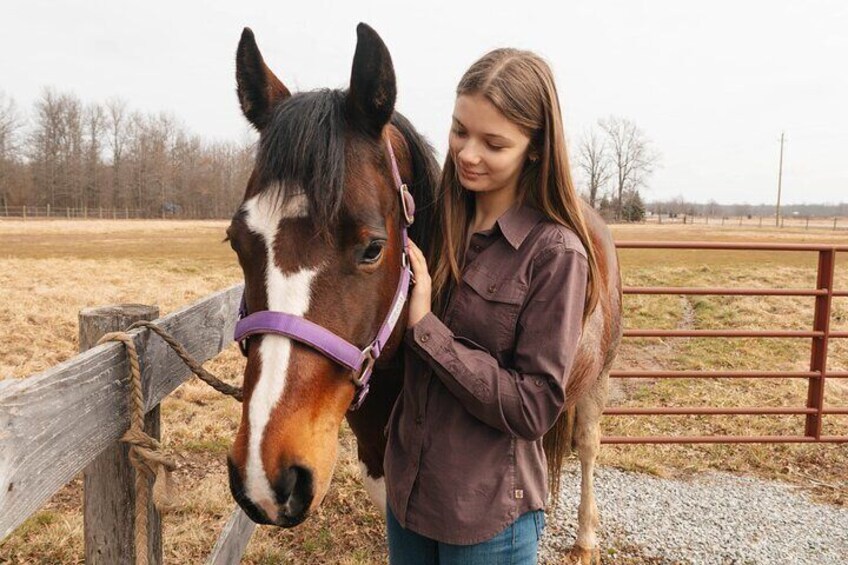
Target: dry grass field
{"x": 49, "y": 270}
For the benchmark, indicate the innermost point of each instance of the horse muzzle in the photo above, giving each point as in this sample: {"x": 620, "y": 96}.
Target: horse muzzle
{"x": 293, "y": 489}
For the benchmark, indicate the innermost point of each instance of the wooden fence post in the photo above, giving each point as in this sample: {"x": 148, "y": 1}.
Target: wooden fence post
{"x": 109, "y": 499}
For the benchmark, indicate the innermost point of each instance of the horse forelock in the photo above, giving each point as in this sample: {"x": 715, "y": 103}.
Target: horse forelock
{"x": 303, "y": 150}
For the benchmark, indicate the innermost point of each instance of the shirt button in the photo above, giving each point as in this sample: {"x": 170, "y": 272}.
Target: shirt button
{"x": 424, "y": 338}
{"x": 492, "y": 288}
{"x": 538, "y": 381}
{"x": 476, "y": 247}
{"x": 419, "y": 419}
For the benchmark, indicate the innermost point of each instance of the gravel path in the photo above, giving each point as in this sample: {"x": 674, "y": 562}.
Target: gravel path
{"x": 715, "y": 518}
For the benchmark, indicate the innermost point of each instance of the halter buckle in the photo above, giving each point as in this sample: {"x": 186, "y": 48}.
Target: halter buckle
{"x": 359, "y": 379}
{"x": 404, "y": 194}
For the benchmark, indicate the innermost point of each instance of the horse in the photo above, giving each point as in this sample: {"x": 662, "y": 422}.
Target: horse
{"x": 320, "y": 236}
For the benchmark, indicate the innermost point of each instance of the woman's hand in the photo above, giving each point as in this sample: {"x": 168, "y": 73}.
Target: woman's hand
{"x": 420, "y": 299}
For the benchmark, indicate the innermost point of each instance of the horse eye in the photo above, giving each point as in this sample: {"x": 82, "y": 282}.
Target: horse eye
{"x": 373, "y": 251}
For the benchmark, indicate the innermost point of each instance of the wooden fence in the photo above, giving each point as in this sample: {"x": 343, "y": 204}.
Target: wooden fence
{"x": 832, "y": 223}
{"x": 108, "y": 213}
{"x": 69, "y": 419}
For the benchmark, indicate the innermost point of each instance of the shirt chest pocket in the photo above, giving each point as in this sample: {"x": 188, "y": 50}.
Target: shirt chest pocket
{"x": 492, "y": 304}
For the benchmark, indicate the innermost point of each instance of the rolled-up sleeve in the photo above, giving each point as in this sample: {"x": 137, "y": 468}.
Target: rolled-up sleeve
{"x": 523, "y": 400}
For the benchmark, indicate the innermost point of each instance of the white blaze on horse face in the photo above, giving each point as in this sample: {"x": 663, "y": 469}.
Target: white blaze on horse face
{"x": 289, "y": 293}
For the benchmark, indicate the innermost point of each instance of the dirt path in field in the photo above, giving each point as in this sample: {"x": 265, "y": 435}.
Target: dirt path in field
{"x": 648, "y": 356}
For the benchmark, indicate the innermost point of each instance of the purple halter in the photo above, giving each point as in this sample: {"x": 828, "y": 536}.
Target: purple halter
{"x": 361, "y": 362}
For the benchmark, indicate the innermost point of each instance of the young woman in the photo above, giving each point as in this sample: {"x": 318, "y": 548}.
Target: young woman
{"x": 492, "y": 336}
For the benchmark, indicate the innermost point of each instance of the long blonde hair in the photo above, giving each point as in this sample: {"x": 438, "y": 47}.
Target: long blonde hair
{"x": 521, "y": 86}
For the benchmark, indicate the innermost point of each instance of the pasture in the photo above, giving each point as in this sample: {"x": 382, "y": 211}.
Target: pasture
{"x": 49, "y": 270}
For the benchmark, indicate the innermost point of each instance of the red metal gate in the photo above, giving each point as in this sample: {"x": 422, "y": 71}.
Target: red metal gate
{"x": 815, "y": 410}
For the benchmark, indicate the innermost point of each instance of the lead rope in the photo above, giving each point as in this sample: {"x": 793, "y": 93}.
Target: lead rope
{"x": 145, "y": 451}
{"x": 190, "y": 362}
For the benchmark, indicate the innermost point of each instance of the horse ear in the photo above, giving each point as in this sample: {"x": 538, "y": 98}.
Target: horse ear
{"x": 258, "y": 89}
{"x": 371, "y": 99}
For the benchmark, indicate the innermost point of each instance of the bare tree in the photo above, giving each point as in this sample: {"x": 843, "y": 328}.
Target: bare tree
{"x": 72, "y": 114}
{"x": 633, "y": 159}
{"x": 116, "y": 124}
{"x": 161, "y": 130}
{"x": 593, "y": 159}
{"x": 95, "y": 129}
{"x": 712, "y": 208}
{"x": 45, "y": 146}
{"x": 678, "y": 205}
{"x": 10, "y": 124}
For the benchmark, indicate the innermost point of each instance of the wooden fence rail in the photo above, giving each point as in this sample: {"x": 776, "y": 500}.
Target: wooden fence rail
{"x": 55, "y": 424}
{"x": 108, "y": 213}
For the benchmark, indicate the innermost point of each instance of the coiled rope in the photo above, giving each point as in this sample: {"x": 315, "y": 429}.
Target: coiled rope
{"x": 145, "y": 452}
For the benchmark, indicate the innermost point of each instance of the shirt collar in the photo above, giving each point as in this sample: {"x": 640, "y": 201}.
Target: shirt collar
{"x": 517, "y": 222}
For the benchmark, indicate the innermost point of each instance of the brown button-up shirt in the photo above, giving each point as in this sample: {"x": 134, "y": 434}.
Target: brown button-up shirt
{"x": 464, "y": 456}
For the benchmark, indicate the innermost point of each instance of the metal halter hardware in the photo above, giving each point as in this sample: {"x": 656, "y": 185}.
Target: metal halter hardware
{"x": 360, "y": 362}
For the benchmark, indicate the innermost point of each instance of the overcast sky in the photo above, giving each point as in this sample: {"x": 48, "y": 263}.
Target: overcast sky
{"x": 712, "y": 84}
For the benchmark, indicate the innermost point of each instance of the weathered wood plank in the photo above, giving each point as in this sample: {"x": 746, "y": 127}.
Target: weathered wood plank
{"x": 55, "y": 423}
{"x": 233, "y": 540}
{"x": 109, "y": 497}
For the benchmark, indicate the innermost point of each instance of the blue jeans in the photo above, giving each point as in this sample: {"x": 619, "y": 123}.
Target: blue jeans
{"x": 518, "y": 544}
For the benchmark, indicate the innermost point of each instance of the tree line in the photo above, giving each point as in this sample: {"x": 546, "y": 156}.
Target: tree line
{"x": 68, "y": 154}
{"x": 679, "y": 206}
{"x": 65, "y": 153}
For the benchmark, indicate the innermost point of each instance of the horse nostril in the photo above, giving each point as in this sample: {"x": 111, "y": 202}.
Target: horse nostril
{"x": 293, "y": 489}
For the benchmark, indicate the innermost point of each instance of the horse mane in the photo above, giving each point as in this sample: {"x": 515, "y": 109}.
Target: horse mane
{"x": 303, "y": 148}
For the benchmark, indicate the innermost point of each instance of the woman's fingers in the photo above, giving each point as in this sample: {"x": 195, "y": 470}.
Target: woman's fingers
{"x": 420, "y": 298}
{"x": 415, "y": 253}
{"x": 416, "y": 259}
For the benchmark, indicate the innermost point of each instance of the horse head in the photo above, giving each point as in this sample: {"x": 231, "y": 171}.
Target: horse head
{"x": 319, "y": 237}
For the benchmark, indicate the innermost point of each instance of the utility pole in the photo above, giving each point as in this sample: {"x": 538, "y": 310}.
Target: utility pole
{"x": 779, "y": 181}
